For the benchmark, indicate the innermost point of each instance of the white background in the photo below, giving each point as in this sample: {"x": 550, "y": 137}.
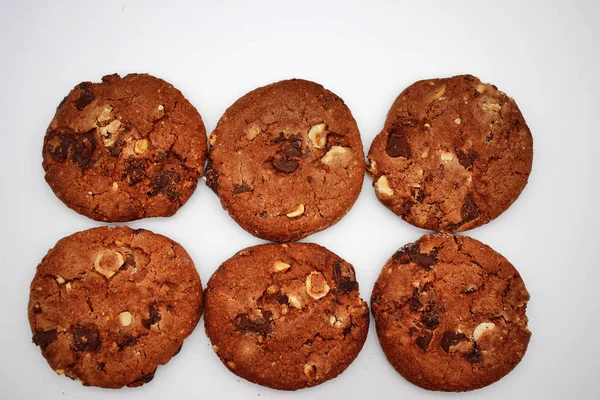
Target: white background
{"x": 545, "y": 54}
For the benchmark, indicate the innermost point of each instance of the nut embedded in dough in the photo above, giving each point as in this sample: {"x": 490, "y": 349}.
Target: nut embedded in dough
{"x": 297, "y": 212}
{"x": 337, "y": 156}
{"x": 280, "y": 266}
{"x": 382, "y": 186}
{"x": 318, "y": 136}
{"x": 316, "y": 285}
{"x": 141, "y": 146}
{"x": 438, "y": 95}
{"x": 482, "y": 328}
{"x": 126, "y": 318}
{"x": 108, "y": 262}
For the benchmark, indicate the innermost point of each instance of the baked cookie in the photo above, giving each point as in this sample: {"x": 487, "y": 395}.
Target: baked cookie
{"x": 450, "y": 313}
{"x": 285, "y": 316}
{"x": 125, "y": 149}
{"x": 108, "y": 305}
{"x": 453, "y": 155}
{"x": 286, "y": 160}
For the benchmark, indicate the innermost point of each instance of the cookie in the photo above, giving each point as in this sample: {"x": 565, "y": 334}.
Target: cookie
{"x": 286, "y": 160}
{"x": 453, "y": 155}
{"x": 108, "y": 305}
{"x": 125, "y": 149}
{"x": 285, "y": 316}
{"x": 450, "y": 313}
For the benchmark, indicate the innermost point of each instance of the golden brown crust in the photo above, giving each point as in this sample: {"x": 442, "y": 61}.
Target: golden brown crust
{"x": 124, "y": 149}
{"x": 450, "y": 313}
{"x": 286, "y": 316}
{"x": 453, "y": 155}
{"x": 286, "y": 160}
{"x": 107, "y": 306}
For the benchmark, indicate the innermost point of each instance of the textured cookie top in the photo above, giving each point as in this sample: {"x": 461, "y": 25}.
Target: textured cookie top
{"x": 286, "y": 316}
{"x": 108, "y": 305}
{"x": 286, "y": 160}
{"x": 453, "y": 155}
{"x": 125, "y": 149}
{"x": 450, "y": 313}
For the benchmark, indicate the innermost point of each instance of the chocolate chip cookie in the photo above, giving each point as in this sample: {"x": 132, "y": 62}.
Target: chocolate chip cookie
{"x": 286, "y": 316}
{"x": 450, "y": 313}
{"x": 286, "y": 160}
{"x": 108, "y": 305}
{"x": 125, "y": 149}
{"x": 453, "y": 155}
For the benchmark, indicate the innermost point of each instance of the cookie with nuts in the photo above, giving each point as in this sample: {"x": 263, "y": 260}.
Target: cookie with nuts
{"x": 286, "y": 160}
{"x": 453, "y": 155}
{"x": 124, "y": 149}
{"x": 286, "y": 316}
{"x": 450, "y": 313}
{"x": 107, "y": 306}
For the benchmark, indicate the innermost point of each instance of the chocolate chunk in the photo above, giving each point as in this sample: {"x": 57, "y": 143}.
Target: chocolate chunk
{"x": 44, "y": 338}
{"x": 163, "y": 182}
{"x": 281, "y": 298}
{"x": 430, "y": 319}
{"x": 85, "y": 98}
{"x": 285, "y": 165}
{"x": 212, "y": 176}
{"x": 244, "y": 324}
{"x": 464, "y": 159}
{"x": 278, "y": 139}
{"x": 344, "y": 278}
{"x": 241, "y": 188}
{"x": 126, "y": 341}
{"x": 58, "y": 145}
{"x": 129, "y": 262}
{"x": 83, "y": 149}
{"x": 135, "y": 171}
{"x": 401, "y": 256}
{"x": 423, "y": 341}
{"x": 397, "y": 146}
{"x": 37, "y": 308}
{"x": 115, "y": 151}
{"x": 469, "y": 210}
{"x": 143, "y": 379}
{"x": 474, "y": 355}
{"x": 425, "y": 261}
{"x": 85, "y": 339}
{"x": 153, "y": 316}
{"x": 414, "y": 302}
{"x": 293, "y": 149}
{"x": 450, "y": 339}
{"x": 411, "y": 331}
{"x": 490, "y": 136}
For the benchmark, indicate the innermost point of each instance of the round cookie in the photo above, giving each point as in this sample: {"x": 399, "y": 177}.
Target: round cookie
{"x": 286, "y": 160}
{"x": 285, "y": 316}
{"x": 125, "y": 149}
{"x": 453, "y": 155}
{"x": 450, "y": 313}
{"x": 108, "y": 305}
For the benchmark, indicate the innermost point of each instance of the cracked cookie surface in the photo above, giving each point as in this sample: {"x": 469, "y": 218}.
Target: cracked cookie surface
{"x": 124, "y": 149}
{"x": 453, "y": 155}
{"x": 286, "y": 160}
{"x": 107, "y": 306}
{"x": 450, "y": 313}
{"x": 286, "y": 316}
